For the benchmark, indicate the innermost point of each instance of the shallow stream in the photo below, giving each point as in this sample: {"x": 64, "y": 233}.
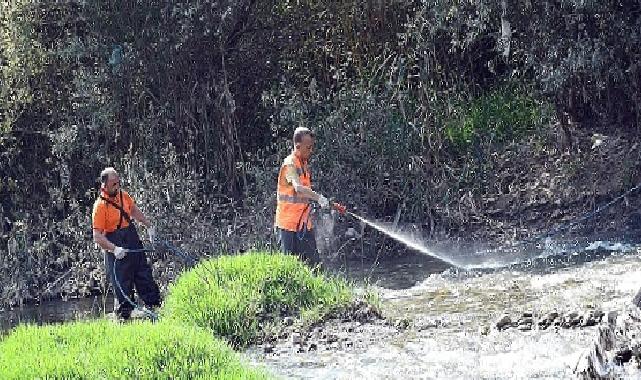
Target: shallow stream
{"x": 452, "y": 314}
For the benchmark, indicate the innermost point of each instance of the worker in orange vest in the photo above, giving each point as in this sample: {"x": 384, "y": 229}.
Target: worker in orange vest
{"x": 294, "y": 193}
{"x": 113, "y": 218}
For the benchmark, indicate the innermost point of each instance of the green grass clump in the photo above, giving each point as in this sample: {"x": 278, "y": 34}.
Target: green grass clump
{"x": 235, "y": 296}
{"x": 104, "y": 350}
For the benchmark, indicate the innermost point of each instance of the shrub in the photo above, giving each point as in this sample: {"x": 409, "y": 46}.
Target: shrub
{"x": 503, "y": 114}
{"x": 235, "y": 295}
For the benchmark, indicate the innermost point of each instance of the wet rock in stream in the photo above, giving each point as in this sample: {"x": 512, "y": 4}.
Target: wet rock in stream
{"x": 503, "y": 323}
{"x": 528, "y": 321}
{"x": 615, "y": 352}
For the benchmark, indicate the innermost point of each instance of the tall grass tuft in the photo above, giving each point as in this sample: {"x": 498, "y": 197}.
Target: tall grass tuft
{"x": 102, "y": 350}
{"x": 235, "y": 296}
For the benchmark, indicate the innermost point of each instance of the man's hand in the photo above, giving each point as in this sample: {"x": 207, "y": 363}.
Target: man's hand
{"x": 151, "y": 232}
{"x": 339, "y": 207}
{"x": 120, "y": 252}
{"x": 322, "y": 201}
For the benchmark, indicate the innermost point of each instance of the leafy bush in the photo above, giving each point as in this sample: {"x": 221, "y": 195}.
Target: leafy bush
{"x": 102, "y": 350}
{"x": 503, "y": 114}
{"x": 234, "y": 295}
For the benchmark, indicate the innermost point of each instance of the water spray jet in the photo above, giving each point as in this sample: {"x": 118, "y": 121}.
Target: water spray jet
{"x": 396, "y": 235}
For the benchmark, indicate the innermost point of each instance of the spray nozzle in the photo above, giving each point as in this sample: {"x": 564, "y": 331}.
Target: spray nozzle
{"x": 339, "y": 207}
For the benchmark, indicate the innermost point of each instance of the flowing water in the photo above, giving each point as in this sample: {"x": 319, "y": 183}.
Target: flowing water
{"x": 452, "y": 313}
{"x": 54, "y": 311}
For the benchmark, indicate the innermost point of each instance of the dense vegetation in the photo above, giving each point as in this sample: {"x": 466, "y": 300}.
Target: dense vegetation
{"x": 195, "y": 102}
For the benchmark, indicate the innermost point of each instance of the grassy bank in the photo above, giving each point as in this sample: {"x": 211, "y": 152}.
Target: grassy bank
{"x": 102, "y": 350}
{"x": 238, "y": 297}
{"x": 234, "y": 297}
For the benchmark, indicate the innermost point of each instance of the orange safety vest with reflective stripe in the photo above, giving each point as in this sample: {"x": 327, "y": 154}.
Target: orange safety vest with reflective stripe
{"x": 292, "y": 211}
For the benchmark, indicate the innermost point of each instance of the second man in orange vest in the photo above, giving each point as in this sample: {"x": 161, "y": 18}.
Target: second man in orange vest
{"x": 113, "y": 218}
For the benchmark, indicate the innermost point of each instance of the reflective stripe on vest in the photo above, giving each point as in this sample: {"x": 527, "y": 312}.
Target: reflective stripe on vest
{"x": 292, "y": 199}
{"x": 292, "y": 211}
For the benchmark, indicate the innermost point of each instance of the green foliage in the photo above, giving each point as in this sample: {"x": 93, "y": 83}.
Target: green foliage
{"x": 207, "y": 93}
{"x": 35, "y": 73}
{"x": 499, "y": 116}
{"x": 103, "y": 350}
{"x": 21, "y": 56}
{"x": 235, "y": 295}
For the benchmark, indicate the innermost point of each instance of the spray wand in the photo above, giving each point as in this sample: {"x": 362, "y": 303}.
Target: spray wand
{"x": 343, "y": 210}
{"x": 339, "y": 207}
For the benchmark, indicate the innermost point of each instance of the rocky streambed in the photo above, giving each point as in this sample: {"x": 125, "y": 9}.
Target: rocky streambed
{"x": 348, "y": 329}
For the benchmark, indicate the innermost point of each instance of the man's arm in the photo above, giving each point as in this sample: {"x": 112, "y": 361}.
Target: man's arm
{"x": 139, "y": 216}
{"x": 301, "y": 190}
{"x": 100, "y": 239}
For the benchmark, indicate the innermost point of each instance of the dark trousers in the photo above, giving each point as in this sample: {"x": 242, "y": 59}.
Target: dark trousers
{"x": 132, "y": 271}
{"x": 302, "y": 244}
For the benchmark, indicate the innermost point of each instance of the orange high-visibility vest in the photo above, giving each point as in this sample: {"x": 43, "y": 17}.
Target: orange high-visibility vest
{"x": 292, "y": 211}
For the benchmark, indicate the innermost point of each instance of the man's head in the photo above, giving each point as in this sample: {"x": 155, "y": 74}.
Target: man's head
{"x": 303, "y": 142}
{"x": 110, "y": 181}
